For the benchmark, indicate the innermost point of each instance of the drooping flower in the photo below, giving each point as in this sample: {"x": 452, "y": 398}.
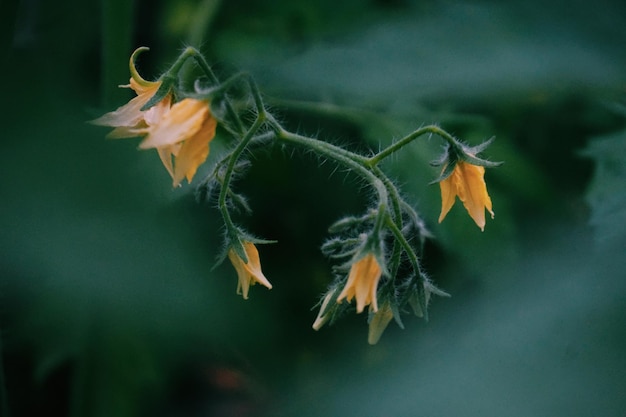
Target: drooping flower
{"x": 362, "y": 283}
{"x": 378, "y": 322}
{"x": 181, "y": 133}
{"x": 129, "y": 120}
{"x": 467, "y": 182}
{"x": 248, "y": 273}
{"x": 182, "y": 137}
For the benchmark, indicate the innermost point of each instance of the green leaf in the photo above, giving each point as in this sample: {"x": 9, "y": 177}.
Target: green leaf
{"x": 607, "y": 192}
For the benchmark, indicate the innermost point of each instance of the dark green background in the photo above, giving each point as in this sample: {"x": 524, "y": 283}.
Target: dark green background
{"x": 108, "y": 303}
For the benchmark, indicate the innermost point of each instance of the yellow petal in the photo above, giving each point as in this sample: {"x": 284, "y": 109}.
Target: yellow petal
{"x": 248, "y": 273}
{"x": 181, "y": 122}
{"x": 166, "y": 153}
{"x": 254, "y": 265}
{"x": 468, "y": 183}
{"x": 243, "y": 279}
{"x": 130, "y": 114}
{"x": 194, "y": 151}
{"x": 475, "y": 197}
{"x": 362, "y": 283}
{"x": 448, "y": 195}
{"x": 154, "y": 114}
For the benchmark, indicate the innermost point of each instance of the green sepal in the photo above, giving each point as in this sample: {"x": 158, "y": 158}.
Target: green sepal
{"x": 220, "y": 258}
{"x": 423, "y": 298}
{"x": 239, "y": 201}
{"x": 245, "y": 237}
{"x": 235, "y": 243}
{"x": 480, "y": 162}
{"x": 164, "y": 89}
{"x": 433, "y": 289}
{"x": 258, "y": 241}
{"x": 416, "y": 221}
{"x": 459, "y": 152}
{"x": 232, "y": 242}
{"x": 396, "y": 314}
{"x": 350, "y": 221}
{"x": 338, "y": 248}
{"x": 415, "y": 305}
{"x": 475, "y": 150}
{"x": 334, "y": 290}
{"x": 468, "y": 154}
{"x": 447, "y": 171}
{"x": 374, "y": 245}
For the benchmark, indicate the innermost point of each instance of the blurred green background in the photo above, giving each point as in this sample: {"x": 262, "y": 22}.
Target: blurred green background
{"x": 108, "y": 303}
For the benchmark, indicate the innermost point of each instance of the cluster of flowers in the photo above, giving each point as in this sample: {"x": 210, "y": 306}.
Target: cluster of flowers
{"x": 181, "y": 126}
{"x": 180, "y": 131}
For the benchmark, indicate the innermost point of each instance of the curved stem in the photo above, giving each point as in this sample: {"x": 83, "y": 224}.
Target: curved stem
{"x": 204, "y": 66}
{"x": 374, "y": 160}
{"x": 224, "y": 190}
{"x": 349, "y": 159}
{"x": 419, "y": 274}
{"x": 405, "y": 245}
{"x": 397, "y": 217}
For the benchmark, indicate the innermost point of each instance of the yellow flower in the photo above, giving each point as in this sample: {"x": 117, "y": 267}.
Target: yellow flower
{"x": 180, "y": 133}
{"x": 362, "y": 283}
{"x": 182, "y": 137}
{"x": 468, "y": 183}
{"x": 248, "y": 273}
{"x": 379, "y": 323}
{"x": 129, "y": 120}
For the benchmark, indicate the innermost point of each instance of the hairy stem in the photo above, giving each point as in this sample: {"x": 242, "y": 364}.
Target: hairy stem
{"x": 374, "y": 160}
{"x": 341, "y": 156}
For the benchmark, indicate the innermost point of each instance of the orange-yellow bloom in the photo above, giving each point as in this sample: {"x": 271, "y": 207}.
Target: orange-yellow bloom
{"x": 362, "y": 283}
{"x": 180, "y": 133}
{"x": 248, "y": 273}
{"x": 182, "y": 137}
{"x": 129, "y": 120}
{"x": 468, "y": 183}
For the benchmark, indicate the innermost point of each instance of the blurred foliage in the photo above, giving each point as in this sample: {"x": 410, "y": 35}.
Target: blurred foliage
{"x": 607, "y": 191}
{"x": 109, "y": 305}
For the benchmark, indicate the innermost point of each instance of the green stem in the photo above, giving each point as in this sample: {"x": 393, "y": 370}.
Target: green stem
{"x": 374, "y": 160}
{"x": 230, "y": 226}
{"x": 234, "y": 157}
{"x": 349, "y": 159}
{"x": 405, "y": 245}
{"x": 419, "y": 274}
{"x": 201, "y": 61}
{"x": 397, "y": 217}
{"x": 180, "y": 61}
